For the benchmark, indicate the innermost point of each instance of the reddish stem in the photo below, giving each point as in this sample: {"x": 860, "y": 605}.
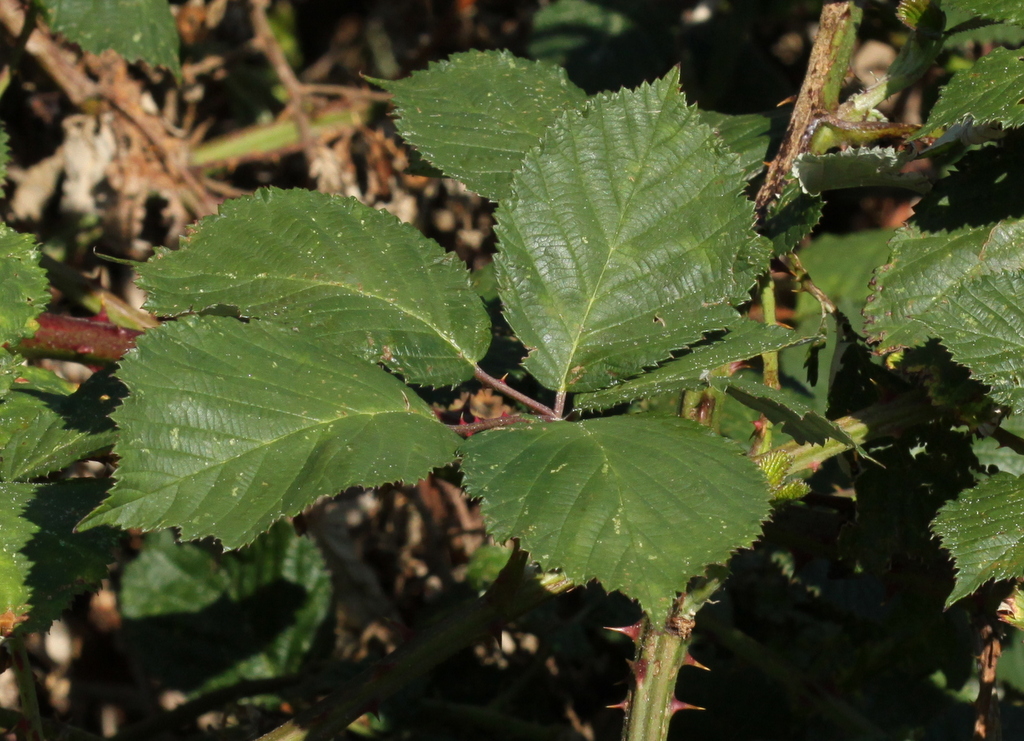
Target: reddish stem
{"x": 470, "y": 428}
{"x": 497, "y": 384}
{"x": 82, "y": 340}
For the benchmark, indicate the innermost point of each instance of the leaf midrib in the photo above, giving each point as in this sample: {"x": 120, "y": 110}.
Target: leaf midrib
{"x": 613, "y": 244}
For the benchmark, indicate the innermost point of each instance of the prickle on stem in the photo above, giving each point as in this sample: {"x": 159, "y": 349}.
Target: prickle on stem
{"x": 631, "y": 631}
{"x": 678, "y": 705}
{"x": 690, "y": 661}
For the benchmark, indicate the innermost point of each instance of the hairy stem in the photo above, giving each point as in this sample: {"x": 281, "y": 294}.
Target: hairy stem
{"x": 514, "y": 593}
{"x": 500, "y": 386}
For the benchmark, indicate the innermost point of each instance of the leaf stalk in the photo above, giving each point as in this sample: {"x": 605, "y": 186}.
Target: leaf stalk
{"x": 471, "y": 428}
{"x": 770, "y": 360}
{"x": 31, "y": 723}
{"x": 546, "y": 412}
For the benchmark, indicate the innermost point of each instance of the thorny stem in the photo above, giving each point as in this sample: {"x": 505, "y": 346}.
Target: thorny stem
{"x": 819, "y": 94}
{"x": 1007, "y": 439}
{"x": 267, "y": 43}
{"x": 514, "y": 593}
{"x": 546, "y": 412}
{"x": 31, "y": 722}
{"x": 662, "y": 651}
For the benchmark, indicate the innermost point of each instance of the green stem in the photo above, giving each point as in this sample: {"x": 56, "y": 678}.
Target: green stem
{"x": 763, "y": 439}
{"x": 31, "y": 724}
{"x": 914, "y": 60}
{"x": 79, "y": 289}
{"x": 512, "y": 594}
{"x": 770, "y": 359}
{"x": 885, "y": 419}
{"x": 662, "y": 650}
{"x": 263, "y": 140}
